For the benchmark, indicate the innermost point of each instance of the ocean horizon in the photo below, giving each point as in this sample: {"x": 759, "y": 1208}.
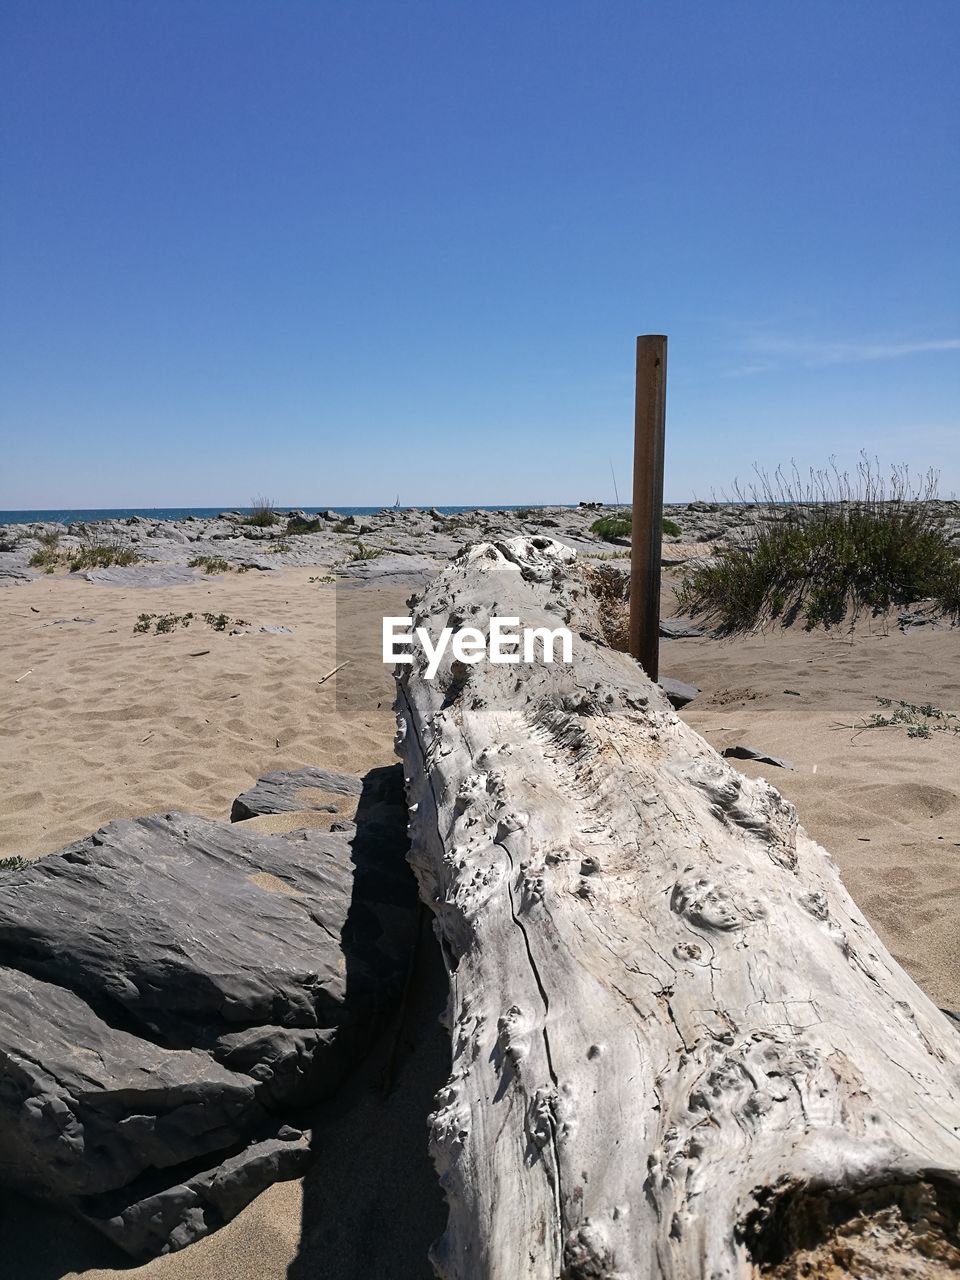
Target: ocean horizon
{"x": 89, "y": 515}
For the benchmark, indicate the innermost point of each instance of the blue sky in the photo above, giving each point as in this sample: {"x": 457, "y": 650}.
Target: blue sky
{"x": 337, "y": 252}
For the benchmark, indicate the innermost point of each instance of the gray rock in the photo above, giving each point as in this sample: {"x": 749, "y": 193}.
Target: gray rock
{"x": 680, "y": 629}
{"x": 13, "y": 573}
{"x": 751, "y": 753}
{"x": 915, "y": 618}
{"x": 393, "y": 569}
{"x": 281, "y": 792}
{"x": 169, "y": 985}
{"x": 88, "y": 1107}
{"x": 169, "y": 1218}
{"x": 145, "y": 575}
{"x": 171, "y": 533}
{"x": 678, "y": 693}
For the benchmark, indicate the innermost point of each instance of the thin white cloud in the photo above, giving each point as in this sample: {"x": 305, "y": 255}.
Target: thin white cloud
{"x": 813, "y": 354}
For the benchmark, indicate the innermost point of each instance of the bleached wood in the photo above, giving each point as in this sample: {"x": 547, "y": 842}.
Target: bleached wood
{"x": 676, "y": 1040}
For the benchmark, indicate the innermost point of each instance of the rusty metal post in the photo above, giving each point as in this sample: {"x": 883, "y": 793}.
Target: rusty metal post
{"x": 647, "y": 534}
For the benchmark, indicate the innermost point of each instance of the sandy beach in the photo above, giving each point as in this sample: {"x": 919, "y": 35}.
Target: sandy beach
{"x": 102, "y": 722}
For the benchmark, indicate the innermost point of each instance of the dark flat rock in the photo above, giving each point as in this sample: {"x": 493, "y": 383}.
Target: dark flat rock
{"x": 281, "y": 792}
{"x": 678, "y": 692}
{"x": 751, "y": 753}
{"x": 170, "y": 987}
{"x": 680, "y": 629}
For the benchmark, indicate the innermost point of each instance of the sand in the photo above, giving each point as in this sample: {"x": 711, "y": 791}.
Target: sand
{"x": 100, "y": 723}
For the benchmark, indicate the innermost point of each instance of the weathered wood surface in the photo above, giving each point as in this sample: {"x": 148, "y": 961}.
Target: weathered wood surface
{"x": 679, "y": 1049}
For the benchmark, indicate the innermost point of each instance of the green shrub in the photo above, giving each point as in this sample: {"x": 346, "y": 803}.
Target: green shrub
{"x": 46, "y": 558}
{"x": 343, "y": 526}
{"x": 826, "y": 550}
{"x": 14, "y": 863}
{"x": 610, "y": 527}
{"x": 49, "y": 554}
{"x": 262, "y": 514}
{"x": 102, "y": 555}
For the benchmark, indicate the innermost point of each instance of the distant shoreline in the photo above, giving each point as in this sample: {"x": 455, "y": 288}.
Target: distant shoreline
{"x": 89, "y": 515}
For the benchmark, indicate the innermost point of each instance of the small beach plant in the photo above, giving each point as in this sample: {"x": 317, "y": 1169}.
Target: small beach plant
{"x": 210, "y": 564}
{"x": 367, "y": 553}
{"x": 97, "y": 551}
{"x": 827, "y": 549}
{"x": 262, "y": 514}
{"x": 48, "y": 555}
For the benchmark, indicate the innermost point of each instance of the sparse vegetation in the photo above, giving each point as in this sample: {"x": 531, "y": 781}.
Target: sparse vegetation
{"x": 96, "y": 551}
{"x": 920, "y": 721}
{"x": 102, "y": 556}
{"x": 527, "y": 513}
{"x": 671, "y": 528}
{"x": 165, "y": 623}
{"x": 262, "y": 514}
{"x": 210, "y": 564}
{"x": 49, "y": 555}
{"x": 279, "y": 547}
{"x": 367, "y": 553}
{"x": 343, "y": 526}
{"x": 828, "y": 549}
{"x": 326, "y": 577}
{"x": 13, "y": 863}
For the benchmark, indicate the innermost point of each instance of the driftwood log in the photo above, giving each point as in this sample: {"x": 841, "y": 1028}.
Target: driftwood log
{"x": 678, "y": 1048}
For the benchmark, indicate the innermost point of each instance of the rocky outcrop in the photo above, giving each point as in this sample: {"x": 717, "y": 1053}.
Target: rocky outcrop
{"x": 171, "y": 988}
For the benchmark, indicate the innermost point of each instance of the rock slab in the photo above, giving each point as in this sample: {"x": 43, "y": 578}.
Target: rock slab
{"x": 170, "y": 988}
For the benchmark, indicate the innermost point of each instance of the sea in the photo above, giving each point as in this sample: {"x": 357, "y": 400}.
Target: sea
{"x": 89, "y": 516}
